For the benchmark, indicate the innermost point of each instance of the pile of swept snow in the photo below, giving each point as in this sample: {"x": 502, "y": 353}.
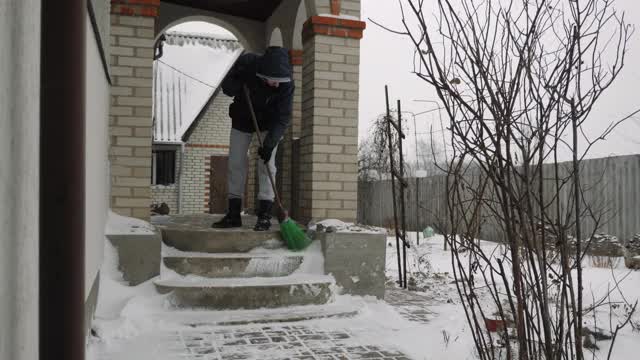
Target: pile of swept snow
{"x": 333, "y": 225}
{"x": 115, "y": 317}
{"x": 269, "y": 261}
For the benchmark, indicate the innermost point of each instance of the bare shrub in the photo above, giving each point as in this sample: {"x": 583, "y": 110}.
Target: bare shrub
{"x": 518, "y": 80}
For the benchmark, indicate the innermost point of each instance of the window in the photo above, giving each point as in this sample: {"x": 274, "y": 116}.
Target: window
{"x": 163, "y": 167}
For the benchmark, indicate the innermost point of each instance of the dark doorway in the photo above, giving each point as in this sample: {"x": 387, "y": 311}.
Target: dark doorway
{"x": 218, "y": 185}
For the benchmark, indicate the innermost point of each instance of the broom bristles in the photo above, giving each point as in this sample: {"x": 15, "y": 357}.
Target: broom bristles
{"x": 293, "y": 235}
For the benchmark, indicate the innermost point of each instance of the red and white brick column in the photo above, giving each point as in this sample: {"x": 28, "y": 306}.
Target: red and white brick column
{"x": 130, "y": 125}
{"x": 293, "y": 132}
{"x": 330, "y": 117}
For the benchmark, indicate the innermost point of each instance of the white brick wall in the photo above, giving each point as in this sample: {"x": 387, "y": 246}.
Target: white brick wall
{"x": 165, "y": 194}
{"x": 131, "y": 48}
{"x": 211, "y": 137}
{"x": 329, "y": 126}
{"x": 215, "y": 125}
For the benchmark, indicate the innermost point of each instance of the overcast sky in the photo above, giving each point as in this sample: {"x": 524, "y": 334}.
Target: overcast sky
{"x": 386, "y": 58}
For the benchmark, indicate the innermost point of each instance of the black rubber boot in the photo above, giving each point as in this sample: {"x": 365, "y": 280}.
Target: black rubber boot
{"x": 232, "y": 219}
{"x": 264, "y": 216}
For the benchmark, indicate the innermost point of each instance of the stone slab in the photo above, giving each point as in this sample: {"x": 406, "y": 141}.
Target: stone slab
{"x": 194, "y": 233}
{"x": 193, "y": 295}
{"x": 356, "y": 260}
{"x": 138, "y": 256}
{"x": 188, "y": 238}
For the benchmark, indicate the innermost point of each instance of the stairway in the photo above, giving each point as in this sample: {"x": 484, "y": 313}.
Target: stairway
{"x": 234, "y": 269}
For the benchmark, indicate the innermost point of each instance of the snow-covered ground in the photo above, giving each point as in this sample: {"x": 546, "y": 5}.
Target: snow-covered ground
{"x": 448, "y": 332}
{"x": 123, "y": 225}
{"x": 135, "y": 323}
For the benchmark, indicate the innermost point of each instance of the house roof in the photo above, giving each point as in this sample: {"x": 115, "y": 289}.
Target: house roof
{"x": 185, "y": 78}
{"x": 187, "y": 133}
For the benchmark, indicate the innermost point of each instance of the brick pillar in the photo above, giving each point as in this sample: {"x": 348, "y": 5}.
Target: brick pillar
{"x": 330, "y": 118}
{"x": 293, "y": 131}
{"x": 130, "y": 125}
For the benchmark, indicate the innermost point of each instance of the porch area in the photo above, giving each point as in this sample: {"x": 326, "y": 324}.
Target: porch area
{"x": 318, "y": 155}
{"x": 239, "y": 294}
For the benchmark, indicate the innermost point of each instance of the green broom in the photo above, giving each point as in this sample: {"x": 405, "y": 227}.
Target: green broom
{"x": 294, "y": 236}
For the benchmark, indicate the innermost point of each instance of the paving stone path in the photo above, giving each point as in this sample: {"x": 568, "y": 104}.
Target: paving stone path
{"x": 290, "y": 342}
{"x": 412, "y": 306}
{"x": 286, "y": 341}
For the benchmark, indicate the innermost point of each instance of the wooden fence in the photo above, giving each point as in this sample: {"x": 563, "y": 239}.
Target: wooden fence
{"x": 611, "y": 184}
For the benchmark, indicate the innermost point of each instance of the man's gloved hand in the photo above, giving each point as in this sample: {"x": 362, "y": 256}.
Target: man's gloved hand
{"x": 265, "y": 153}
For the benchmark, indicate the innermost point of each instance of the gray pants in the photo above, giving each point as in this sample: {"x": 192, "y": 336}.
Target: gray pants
{"x": 238, "y": 164}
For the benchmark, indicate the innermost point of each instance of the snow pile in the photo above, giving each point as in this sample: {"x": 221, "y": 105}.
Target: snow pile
{"x": 122, "y": 225}
{"x": 313, "y": 262}
{"x": 114, "y": 319}
{"x": 605, "y": 245}
{"x": 333, "y": 225}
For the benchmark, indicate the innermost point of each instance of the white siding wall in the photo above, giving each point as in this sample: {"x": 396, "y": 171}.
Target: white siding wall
{"x": 19, "y": 177}
{"x": 97, "y": 158}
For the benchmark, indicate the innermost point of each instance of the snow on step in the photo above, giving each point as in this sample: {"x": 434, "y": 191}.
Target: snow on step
{"x": 248, "y": 293}
{"x": 201, "y": 282}
{"x": 204, "y": 285}
{"x": 343, "y": 306}
{"x": 259, "y": 262}
{"x": 234, "y": 265}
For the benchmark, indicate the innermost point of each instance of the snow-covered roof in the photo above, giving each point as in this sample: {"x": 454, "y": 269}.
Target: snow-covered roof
{"x": 213, "y": 41}
{"x": 185, "y": 77}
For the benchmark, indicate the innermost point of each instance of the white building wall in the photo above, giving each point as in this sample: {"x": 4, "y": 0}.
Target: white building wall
{"x": 96, "y": 158}
{"x": 19, "y": 177}
{"x": 211, "y": 137}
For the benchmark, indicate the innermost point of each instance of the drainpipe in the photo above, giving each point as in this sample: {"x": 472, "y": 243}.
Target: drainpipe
{"x": 62, "y": 180}
{"x": 180, "y": 178}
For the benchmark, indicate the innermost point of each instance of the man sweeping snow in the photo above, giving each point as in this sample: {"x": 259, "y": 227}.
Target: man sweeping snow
{"x": 268, "y": 78}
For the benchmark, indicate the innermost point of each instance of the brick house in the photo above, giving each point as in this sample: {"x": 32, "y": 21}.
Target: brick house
{"x": 191, "y": 124}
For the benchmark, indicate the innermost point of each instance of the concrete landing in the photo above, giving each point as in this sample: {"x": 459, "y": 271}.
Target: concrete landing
{"x": 194, "y": 233}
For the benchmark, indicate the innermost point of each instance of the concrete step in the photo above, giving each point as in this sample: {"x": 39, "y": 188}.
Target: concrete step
{"x": 342, "y": 307}
{"x": 247, "y": 293}
{"x": 234, "y": 265}
{"x": 207, "y": 240}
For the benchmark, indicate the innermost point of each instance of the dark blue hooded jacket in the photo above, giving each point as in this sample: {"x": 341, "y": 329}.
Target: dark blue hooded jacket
{"x": 273, "y": 106}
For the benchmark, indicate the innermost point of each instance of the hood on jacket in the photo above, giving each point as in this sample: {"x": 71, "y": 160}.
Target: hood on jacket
{"x": 275, "y": 65}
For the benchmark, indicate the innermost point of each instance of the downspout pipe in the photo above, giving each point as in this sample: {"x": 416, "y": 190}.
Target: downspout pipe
{"x": 62, "y": 180}
{"x": 180, "y": 170}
